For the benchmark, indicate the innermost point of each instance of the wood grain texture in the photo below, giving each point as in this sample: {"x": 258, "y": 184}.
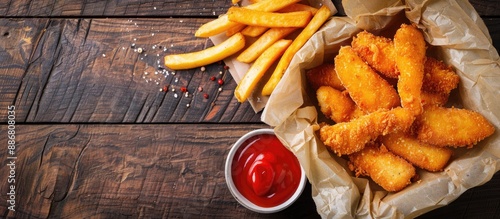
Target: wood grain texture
{"x": 127, "y": 171}
{"x": 89, "y": 70}
{"x": 486, "y": 7}
{"x": 493, "y": 25}
{"x": 147, "y": 8}
{"x": 56, "y": 8}
{"x": 152, "y": 171}
{"x": 17, "y": 40}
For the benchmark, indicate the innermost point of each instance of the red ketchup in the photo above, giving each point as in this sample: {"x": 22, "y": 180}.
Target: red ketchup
{"x": 264, "y": 171}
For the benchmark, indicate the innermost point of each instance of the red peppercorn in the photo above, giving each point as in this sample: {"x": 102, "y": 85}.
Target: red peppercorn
{"x": 220, "y": 82}
{"x": 212, "y": 78}
{"x": 226, "y": 67}
{"x": 165, "y": 88}
{"x": 183, "y": 89}
{"x": 205, "y": 95}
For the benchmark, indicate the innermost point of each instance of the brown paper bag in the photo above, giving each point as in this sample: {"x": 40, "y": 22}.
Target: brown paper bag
{"x": 461, "y": 40}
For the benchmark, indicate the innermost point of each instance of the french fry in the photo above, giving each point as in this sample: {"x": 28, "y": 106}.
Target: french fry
{"x": 207, "y": 56}
{"x": 299, "y": 7}
{"x": 265, "y": 40}
{"x": 235, "y": 29}
{"x": 215, "y": 27}
{"x": 222, "y": 23}
{"x": 268, "y": 19}
{"x": 321, "y": 16}
{"x": 254, "y": 31}
{"x": 257, "y": 70}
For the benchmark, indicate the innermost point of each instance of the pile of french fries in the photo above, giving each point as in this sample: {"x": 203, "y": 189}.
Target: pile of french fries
{"x": 270, "y": 22}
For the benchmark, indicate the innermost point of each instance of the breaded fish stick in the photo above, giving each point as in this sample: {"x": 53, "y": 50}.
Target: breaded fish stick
{"x": 337, "y": 105}
{"x": 453, "y": 127}
{"x": 410, "y": 49}
{"x": 349, "y": 137}
{"x": 367, "y": 88}
{"x": 425, "y": 156}
{"x": 324, "y": 75}
{"x": 430, "y": 98}
{"x": 439, "y": 77}
{"x": 377, "y": 51}
{"x": 386, "y": 169}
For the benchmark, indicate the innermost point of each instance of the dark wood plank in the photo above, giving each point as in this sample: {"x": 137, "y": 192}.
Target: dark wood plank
{"x": 493, "y": 25}
{"x": 140, "y": 170}
{"x": 127, "y": 171}
{"x": 480, "y": 202}
{"x": 147, "y": 8}
{"x": 18, "y": 40}
{"x": 77, "y": 8}
{"x": 89, "y": 70}
{"x": 486, "y": 7}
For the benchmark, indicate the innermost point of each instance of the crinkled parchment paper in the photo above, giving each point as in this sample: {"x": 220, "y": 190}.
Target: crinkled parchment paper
{"x": 457, "y": 36}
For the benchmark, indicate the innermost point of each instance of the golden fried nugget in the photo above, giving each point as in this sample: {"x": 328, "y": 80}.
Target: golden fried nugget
{"x": 451, "y": 127}
{"x": 324, "y": 75}
{"x": 425, "y": 156}
{"x": 429, "y": 98}
{"x": 439, "y": 77}
{"x": 386, "y": 169}
{"x": 410, "y": 57}
{"x": 348, "y": 137}
{"x": 337, "y": 105}
{"x": 380, "y": 54}
{"x": 367, "y": 88}
{"x": 377, "y": 51}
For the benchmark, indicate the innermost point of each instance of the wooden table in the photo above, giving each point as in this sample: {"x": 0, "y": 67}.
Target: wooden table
{"x": 96, "y": 137}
